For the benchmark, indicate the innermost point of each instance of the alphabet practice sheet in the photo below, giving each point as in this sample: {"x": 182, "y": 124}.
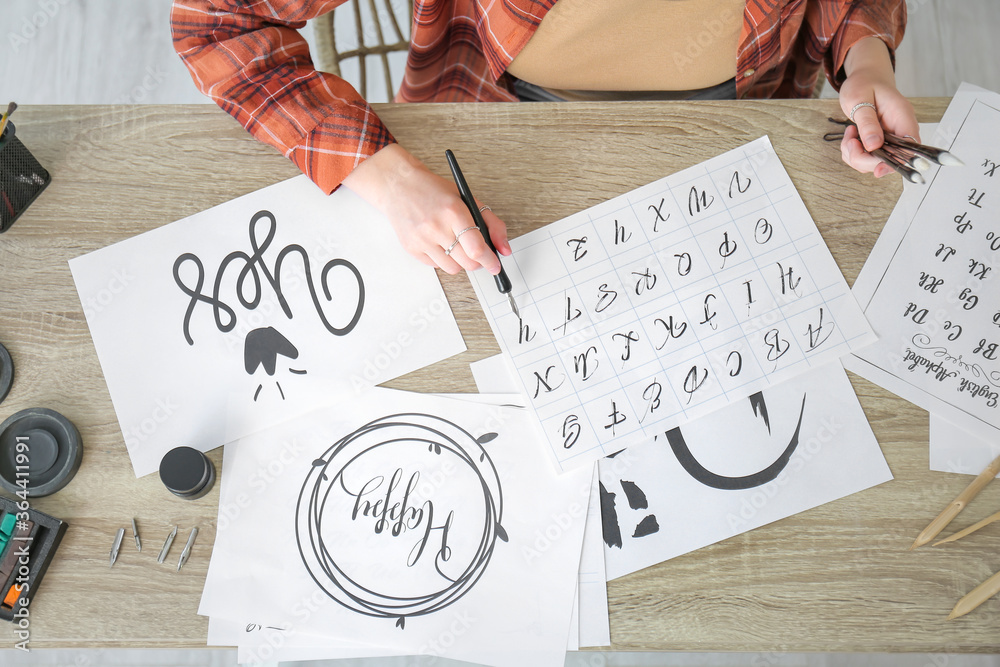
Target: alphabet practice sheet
{"x": 929, "y": 283}
{"x": 669, "y": 302}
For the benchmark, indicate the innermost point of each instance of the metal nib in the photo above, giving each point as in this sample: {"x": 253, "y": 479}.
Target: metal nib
{"x": 166, "y": 545}
{"x": 187, "y": 549}
{"x": 513, "y": 306}
{"x": 116, "y": 546}
{"x": 135, "y": 534}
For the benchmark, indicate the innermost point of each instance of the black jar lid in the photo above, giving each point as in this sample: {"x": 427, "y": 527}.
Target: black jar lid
{"x": 48, "y": 441}
{"x": 186, "y": 472}
{"x": 6, "y": 372}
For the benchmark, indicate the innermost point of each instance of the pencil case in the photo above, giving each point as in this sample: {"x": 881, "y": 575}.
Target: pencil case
{"x": 21, "y": 178}
{"x": 29, "y": 541}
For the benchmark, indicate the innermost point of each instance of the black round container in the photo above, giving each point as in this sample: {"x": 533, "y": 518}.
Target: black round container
{"x": 6, "y": 372}
{"x": 47, "y": 443}
{"x": 187, "y": 473}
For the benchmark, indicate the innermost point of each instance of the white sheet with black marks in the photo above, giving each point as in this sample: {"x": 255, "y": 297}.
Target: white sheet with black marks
{"x": 252, "y": 312}
{"x": 669, "y": 302}
{"x": 788, "y": 449}
{"x": 402, "y": 523}
{"x": 930, "y": 283}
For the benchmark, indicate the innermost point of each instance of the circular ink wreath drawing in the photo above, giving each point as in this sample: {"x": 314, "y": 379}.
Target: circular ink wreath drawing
{"x": 400, "y": 518}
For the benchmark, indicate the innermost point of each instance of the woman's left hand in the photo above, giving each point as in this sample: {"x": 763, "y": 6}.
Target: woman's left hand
{"x": 870, "y": 80}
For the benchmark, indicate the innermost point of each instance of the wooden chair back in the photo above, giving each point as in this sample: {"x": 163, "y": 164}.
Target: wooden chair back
{"x": 371, "y": 39}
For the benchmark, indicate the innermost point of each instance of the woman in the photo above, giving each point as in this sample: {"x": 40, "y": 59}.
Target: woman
{"x": 248, "y": 56}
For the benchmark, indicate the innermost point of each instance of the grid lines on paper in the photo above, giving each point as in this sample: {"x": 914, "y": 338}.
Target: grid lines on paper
{"x": 670, "y": 301}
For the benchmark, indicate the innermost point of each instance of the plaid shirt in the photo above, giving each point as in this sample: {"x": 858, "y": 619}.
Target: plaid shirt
{"x": 248, "y": 56}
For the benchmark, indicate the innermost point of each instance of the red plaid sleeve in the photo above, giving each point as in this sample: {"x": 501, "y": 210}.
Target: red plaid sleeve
{"x": 786, "y": 43}
{"x": 248, "y": 56}
{"x": 885, "y": 19}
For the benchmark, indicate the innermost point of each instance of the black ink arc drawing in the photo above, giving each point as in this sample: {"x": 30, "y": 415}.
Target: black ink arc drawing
{"x": 264, "y": 345}
{"x": 675, "y": 437}
{"x": 359, "y": 492}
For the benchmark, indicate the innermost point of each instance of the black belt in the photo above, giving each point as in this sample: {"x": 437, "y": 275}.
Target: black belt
{"x": 529, "y": 92}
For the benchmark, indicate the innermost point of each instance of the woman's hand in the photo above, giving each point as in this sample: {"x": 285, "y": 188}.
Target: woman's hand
{"x": 426, "y": 212}
{"x": 870, "y": 79}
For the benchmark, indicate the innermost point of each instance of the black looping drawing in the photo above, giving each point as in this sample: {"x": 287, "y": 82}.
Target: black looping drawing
{"x": 321, "y": 532}
{"x": 263, "y": 345}
{"x": 254, "y": 268}
{"x": 690, "y": 464}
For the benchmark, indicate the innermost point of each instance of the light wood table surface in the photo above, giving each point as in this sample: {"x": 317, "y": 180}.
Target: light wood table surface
{"x": 836, "y": 578}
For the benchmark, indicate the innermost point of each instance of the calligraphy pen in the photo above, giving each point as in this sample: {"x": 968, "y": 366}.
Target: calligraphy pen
{"x": 502, "y": 281}
{"x": 906, "y": 157}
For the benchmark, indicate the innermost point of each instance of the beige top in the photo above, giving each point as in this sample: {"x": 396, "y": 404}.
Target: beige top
{"x": 633, "y": 45}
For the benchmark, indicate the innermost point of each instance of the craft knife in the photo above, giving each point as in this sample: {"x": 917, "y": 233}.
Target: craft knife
{"x": 116, "y": 546}
{"x": 187, "y": 548}
{"x": 166, "y": 545}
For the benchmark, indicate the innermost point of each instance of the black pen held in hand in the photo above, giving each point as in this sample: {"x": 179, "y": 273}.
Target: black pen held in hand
{"x": 905, "y": 156}
{"x": 502, "y": 281}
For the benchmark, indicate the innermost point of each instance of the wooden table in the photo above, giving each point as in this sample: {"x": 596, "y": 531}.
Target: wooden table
{"x": 836, "y": 578}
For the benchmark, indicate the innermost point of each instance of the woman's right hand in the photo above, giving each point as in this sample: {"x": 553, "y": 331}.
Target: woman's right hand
{"x": 426, "y": 212}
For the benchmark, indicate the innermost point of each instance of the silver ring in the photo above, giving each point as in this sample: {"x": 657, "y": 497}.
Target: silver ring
{"x": 858, "y": 106}
{"x": 447, "y": 253}
{"x": 484, "y": 207}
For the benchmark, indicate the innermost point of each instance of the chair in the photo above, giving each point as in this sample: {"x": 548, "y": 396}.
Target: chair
{"x": 326, "y": 43}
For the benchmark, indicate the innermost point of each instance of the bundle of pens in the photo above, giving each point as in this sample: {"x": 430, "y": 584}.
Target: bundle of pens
{"x": 903, "y": 154}
{"x": 22, "y": 178}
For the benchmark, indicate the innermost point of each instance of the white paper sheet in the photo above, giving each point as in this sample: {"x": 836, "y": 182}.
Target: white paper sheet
{"x": 591, "y": 617}
{"x": 492, "y": 374}
{"x": 719, "y": 477}
{"x": 258, "y": 644}
{"x": 595, "y": 628}
{"x": 573, "y": 642}
{"x": 494, "y": 601}
{"x": 929, "y": 285}
{"x": 955, "y": 450}
{"x": 190, "y": 325}
{"x": 669, "y": 302}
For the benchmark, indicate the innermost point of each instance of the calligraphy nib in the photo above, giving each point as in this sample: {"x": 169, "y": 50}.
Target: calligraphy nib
{"x": 116, "y": 546}
{"x": 513, "y": 306}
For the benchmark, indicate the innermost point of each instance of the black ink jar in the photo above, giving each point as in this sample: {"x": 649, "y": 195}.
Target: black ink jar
{"x": 187, "y": 473}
